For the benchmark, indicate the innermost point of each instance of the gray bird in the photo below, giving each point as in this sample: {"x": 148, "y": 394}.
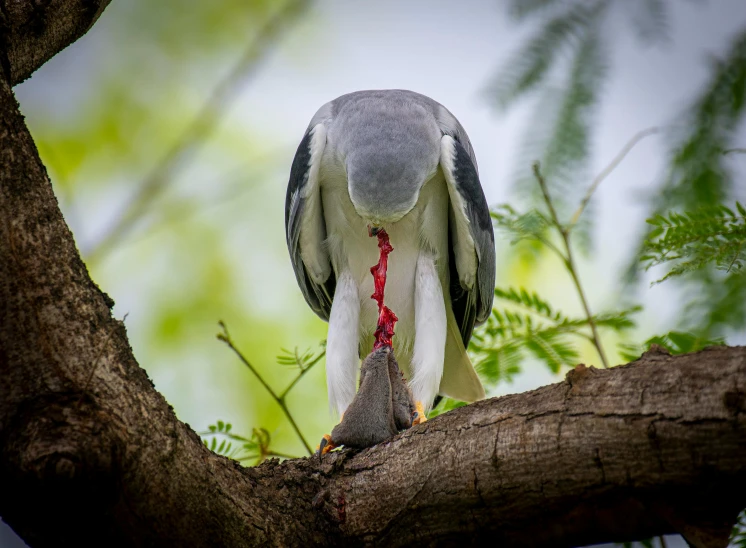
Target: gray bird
{"x": 396, "y": 160}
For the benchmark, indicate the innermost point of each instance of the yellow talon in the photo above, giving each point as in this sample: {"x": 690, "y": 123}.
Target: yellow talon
{"x": 420, "y": 414}
{"x": 325, "y": 446}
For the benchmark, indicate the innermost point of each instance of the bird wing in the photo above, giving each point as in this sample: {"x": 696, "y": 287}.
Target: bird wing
{"x": 471, "y": 238}
{"x": 305, "y": 228}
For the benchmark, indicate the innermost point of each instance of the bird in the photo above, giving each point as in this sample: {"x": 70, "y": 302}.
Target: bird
{"x": 399, "y": 161}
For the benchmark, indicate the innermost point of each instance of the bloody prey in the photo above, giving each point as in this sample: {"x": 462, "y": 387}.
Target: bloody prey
{"x": 386, "y": 318}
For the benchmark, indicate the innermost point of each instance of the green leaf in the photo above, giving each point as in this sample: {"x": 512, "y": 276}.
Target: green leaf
{"x": 699, "y": 174}
{"x": 529, "y": 66}
{"x": 301, "y": 360}
{"x": 697, "y": 239}
{"x": 552, "y": 350}
{"x": 675, "y": 342}
{"x": 445, "y": 405}
{"x": 522, "y": 8}
{"x": 650, "y": 19}
{"x": 738, "y": 535}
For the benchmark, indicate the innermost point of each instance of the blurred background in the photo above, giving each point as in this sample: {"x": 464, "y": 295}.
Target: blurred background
{"x": 169, "y": 129}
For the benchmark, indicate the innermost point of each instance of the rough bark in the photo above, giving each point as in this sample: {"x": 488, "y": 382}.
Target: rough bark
{"x": 33, "y": 31}
{"x": 91, "y": 454}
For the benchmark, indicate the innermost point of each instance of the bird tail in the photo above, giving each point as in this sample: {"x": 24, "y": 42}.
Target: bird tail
{"x": 460, "y": 380}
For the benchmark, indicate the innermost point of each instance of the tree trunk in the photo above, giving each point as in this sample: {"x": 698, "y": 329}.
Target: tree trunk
{"x": 91, "y": 454}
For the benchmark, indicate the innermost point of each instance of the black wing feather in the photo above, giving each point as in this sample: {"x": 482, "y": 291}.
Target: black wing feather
{"x": 318, "y": 297}
{"x": 473, "y": 306}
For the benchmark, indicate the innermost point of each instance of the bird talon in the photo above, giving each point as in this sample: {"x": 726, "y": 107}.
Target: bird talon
{"x": 418, "y": 417}
{"x": 325, "y": 446}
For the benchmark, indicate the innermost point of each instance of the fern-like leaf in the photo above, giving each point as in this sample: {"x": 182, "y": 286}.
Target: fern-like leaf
{"x": 738, "y": 536}
{"x": 532, "y": 62}
{"x": 301, "y": 359}
{"x": 220, "y": 439}
{"x": 693, "y": 240}
{"x": 650, "y": 20}
{"x": 522, "y": 8}
{"x": 524, "y": 325}
{"x": 676, "y": 342}
{"x": 699, "y": 171}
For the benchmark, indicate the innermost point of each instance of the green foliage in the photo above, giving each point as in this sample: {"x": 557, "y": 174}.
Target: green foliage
{"x": 522, "y": 8}
{"x": 650, "y": 19}
{"x": 566, "y": 60}
{"x": 738, "y": 536}
{"x": 706, "y": 241}
{"x": 699, "y": 175}
{"x": 524, "y": 325}
{"x": 676, "y": 342}
{"x": 709, "y": 245}
{"x": 716, "y": 304}
{"x": 445, "y": 405}
{"x": 696, "y": 239}
{"x": 303, "y": 360}
{"x": 530, "y": 65}
{"x": 255, "y": 449}
{"x": 566, "y": 63}
{"x": 567, "y": 151}
{"x": 521, "y": 226}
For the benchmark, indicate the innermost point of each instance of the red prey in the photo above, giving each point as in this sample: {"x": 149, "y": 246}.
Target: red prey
{"x": 386, "y": 318}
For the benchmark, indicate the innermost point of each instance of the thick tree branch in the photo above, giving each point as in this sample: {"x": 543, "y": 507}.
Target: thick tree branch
{"x": 91, "y": 454}
{"x": 33, "y": 31}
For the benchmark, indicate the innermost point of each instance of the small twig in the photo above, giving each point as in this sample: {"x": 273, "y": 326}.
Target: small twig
{"x": 608, "y": 169}
{"x": 300, "y": 375}
{"x": 735, "y": 257}
{"x": 734, "y": 151}
{"x": 570, "y": 264}
{"x": 662, "y": 540}
{"x": 207, "y": 118}
{"x": 226, "y": 338}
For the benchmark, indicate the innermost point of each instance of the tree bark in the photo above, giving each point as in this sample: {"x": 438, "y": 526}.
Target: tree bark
{"x": 33, "y": 31}
{"x": 91, "y": 453}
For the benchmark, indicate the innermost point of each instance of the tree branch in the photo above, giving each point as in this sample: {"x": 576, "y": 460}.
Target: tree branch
{"x": 32, "y": 32}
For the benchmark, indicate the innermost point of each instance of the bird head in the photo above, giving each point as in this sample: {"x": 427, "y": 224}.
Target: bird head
{"x": 383, "y": 196}
{"x": 384, "y": 181}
